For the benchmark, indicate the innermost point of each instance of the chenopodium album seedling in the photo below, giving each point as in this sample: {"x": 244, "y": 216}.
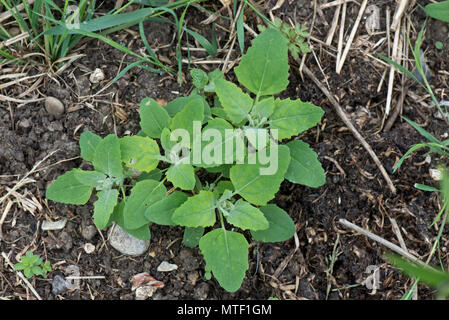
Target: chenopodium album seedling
{"x": 223, "y": 164}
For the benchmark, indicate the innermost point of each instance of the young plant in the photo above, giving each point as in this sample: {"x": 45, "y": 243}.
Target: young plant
{"x": 32, "y": 264}
{"x": 296, "y": 36}
{"x": 225, "y": 162}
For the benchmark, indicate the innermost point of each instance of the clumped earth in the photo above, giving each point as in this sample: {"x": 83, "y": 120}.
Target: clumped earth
{"x": 295, "y": 269}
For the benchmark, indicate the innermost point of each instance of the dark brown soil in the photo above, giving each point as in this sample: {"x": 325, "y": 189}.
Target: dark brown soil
{"x": 356, "y": 191}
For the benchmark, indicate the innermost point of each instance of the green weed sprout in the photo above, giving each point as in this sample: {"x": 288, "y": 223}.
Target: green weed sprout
{"x": 32, "y": 265}
{"x": 296, "y": 36}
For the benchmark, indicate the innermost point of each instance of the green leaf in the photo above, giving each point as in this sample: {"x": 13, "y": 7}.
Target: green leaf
{"x": 89, "y": 178}
{"x": 161, "y": 212}
{"x": 256, "y": 188}
{"x": 181, "y": 175}
{"x": 304, "y": 167}
{"x": 428, "y": 275}
{"x": 235, "y": 103}
{"x": 108, "y": 156}
{"x": 118, "y": 216}
{"x": 438, "y": 10}
{"x": 153, "y": 118}
{"x": 213, "y": 76}
{"x": 193, "y": 111}
{"x": 37, "y": 270}
{"x": 143, "y": 194}
{"x": 192, "y": 236}
{"x": 263, "y": 70}
{"x": 424, "y": 187}
{"x": 245, "y": 216}
{"x": 46, "y": 267}
{"x": 19, "y": 266}
{"x": 212, "y": 147}
{"x": 222, "y": 186}
{"x": 281, "y": 226}
{"x": 197, "y": 211}
{"x": 211, "y": 48}
{"x": 240, "y": 30}
{"x": 67, "y": 189}
{"x": 199, "y": 78}
{"x": 226, "y": 255}
{"x": 219, "y": 112}
{"x": 88, "y": 144}
{"x": 104, "y": 22}
{"x": 156, "y": 174}
{"x": 264, "y": 108}
{"x": 104, "y": 207}
{"x": 224, "y": 169}
{"x": 166, "y": 143}
{"x": 178, "y": 104}
{"x": 291, "y": 117}
{"x": 141, "y": 153}
{"x": 142, "y": 233}
{"x": 28, "y": 272}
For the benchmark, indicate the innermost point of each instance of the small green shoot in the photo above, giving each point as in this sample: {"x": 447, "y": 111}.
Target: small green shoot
{"x": 296, "y": 36}
{"x": 32, "y": 265}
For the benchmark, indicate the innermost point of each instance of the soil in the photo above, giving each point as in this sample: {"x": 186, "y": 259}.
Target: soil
{"x": 295, "y": 269}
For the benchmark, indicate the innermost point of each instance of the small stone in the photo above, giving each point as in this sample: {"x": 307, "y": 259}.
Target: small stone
{"x": 24, "y": 123}
{"x": 166, "y": 267}
{"x": 54, "y": 106}
{"x": 145, "y": 292}
{"x": 58, "y": 285}
{"x": 89, "y": 248}
{"x": 125, "y": 243}
{"x": 436, "y": 174}
{"x": 96, "y": 76}
{"x": 88, "y": 232}
{"x": 53, "y": 225}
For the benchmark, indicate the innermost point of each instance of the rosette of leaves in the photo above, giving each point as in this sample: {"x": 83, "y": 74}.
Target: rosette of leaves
{"x": 222, "y": 203}
{"x": 32, "y": 264}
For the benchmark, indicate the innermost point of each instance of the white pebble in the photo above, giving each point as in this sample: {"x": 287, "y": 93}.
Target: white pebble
{"x": 89, "y": 248}
{"x": 125, "y": 243}
{"x": 436, "y": 174}
{"x": 53, "y": 225}
{"x": 54, "y": 106}
{"x": 166, "y": 267}
{"x": 96, "y": 76}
